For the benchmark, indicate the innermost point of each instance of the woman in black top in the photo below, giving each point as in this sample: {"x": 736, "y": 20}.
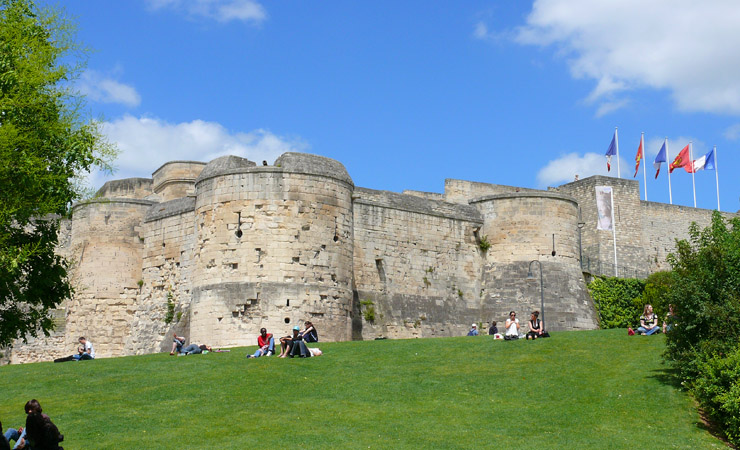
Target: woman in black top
{"x": 535, "y": 326}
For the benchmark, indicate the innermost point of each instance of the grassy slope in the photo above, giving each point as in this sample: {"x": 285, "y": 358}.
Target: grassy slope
{"x": 592, "y": 389}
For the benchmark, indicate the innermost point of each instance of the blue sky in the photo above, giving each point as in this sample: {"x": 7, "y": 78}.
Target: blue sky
{"x": 406, "y": 94}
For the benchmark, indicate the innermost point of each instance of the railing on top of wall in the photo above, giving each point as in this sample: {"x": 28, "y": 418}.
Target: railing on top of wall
{"x": 596, "y": 266}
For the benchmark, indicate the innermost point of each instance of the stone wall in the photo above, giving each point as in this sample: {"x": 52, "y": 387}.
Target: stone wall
{"x": 462, "y": 191}
{"x": 107, "y": 249}
{"x": 523, "y": 230}
{"x": 176, "y": 179}
{"x": 416, "y": 266}
{"x": 273, "y": 249}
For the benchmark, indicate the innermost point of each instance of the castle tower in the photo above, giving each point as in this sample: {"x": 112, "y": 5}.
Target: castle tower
{"x": 273, "y": 248}
{"x": 526, "y": 226}
{"x": 107, "y": 250}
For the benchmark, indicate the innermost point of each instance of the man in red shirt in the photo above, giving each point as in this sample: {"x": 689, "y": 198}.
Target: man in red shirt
{"x": 266, "y": 344}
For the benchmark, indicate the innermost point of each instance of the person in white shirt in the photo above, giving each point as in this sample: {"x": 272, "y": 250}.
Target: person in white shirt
{"x": 85, "y": 351}
{"x": 512, "y": 326}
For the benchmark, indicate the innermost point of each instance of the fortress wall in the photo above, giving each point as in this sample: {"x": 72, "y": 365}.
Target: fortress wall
{"x": 175, "y": 179}
{"x": 628, "y": 218}
{"x": 664, "y": 223}
{"x": 461, "y": 191}
{"x": 106, "y": 242}
{"x": 164, "y": 298}
{"x": 293, "y": 261}
{"x": 426, "y": 195}
{"x": 520, "y": 228}
{"x": 126, "y": 188}
{"x": 416, "y": 265}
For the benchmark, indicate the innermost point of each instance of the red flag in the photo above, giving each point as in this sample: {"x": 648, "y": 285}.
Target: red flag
{"x": 638, "y": 158}
{"x": 682, "y": 160}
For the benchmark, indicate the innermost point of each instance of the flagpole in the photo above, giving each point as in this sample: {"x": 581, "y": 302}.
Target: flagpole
{"x": 644, "y": 169}
{"x": 614, "y": 233}
{"x": 716, "y": 175}
{"x": 667, "y": 159}
{"x": 691, "y": 158}
{"x": 616, "y": 141}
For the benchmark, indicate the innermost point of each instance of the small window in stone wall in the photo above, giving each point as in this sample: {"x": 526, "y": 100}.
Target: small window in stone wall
{"x": 381, "y": 270}
{"x": 287, "y": 320}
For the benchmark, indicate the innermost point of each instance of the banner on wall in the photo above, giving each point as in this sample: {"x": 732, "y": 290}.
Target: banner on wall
{"x": 604, "y": 208}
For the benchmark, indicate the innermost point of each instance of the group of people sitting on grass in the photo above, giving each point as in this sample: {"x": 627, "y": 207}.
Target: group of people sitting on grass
{"x": 649, "y": 322}
{"x": 513, "y": 328}
{"x": 291, "y": 346}
{"x": 40, "y": 433}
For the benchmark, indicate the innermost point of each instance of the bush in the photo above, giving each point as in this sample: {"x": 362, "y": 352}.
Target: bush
{"x": 718, "y": 390}
{"x": 657, "y": 293}
{"x": 705, "y": 286}
{"x": 618, "y": 301}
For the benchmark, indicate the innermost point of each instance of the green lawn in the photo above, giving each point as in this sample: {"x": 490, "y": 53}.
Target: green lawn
{"x": 588, "y": 389}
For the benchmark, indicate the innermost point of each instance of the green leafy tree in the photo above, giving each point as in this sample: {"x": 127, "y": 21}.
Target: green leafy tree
{"x": 706, "y": 293}
{"x": 657, "y": 292}
{"x": 46, "y": 146}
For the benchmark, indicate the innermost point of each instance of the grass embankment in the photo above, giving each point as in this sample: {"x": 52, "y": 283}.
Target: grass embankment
{"x": 590, "y": 389}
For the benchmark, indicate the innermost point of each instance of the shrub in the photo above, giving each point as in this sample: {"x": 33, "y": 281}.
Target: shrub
{"x": 484, "y": 244}
{"x": 718, "y": 390}
{"x": 705, "y": 285}
{"x": 618, "y": 300}
{"x": 657, "y": 293}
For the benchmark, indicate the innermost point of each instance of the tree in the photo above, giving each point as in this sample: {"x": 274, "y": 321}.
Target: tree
{"x": 706, "y": 292}
{"x": 46, "y": 146}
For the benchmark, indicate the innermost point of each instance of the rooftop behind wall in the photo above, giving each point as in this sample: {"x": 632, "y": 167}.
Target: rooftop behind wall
{"x": 175, "y": 178}
{"x": 461, "y": 191}
{"x": 126, "y": 188}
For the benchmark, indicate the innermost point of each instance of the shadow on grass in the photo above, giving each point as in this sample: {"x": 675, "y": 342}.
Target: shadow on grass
{"x": 668, "y": 376}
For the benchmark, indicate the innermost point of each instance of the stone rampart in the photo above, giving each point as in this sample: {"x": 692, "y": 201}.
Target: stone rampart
{"x": 176, "y": 179}
{"x": 273, "y": 248}
{"x": 416, "y": 266}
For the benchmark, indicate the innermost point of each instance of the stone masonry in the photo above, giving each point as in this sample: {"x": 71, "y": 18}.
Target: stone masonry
{"x": 216, "y": 251}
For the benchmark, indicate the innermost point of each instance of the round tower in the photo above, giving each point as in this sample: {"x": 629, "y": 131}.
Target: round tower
{"x": 273, "y": 249}
{"x": 106, "y": 248}
{"x": 175, "y": 179}
{"x": 523, "y": 227}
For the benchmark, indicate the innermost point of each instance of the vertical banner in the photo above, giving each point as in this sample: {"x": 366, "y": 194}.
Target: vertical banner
{"x": 605, "y": 210}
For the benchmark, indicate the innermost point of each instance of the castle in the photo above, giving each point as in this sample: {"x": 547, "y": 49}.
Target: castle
{"x": 216, "y": 251}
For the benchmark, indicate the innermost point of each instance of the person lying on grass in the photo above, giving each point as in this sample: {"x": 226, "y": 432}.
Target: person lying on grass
{"x": 266, "y": 344}
{"x": 194, "y": 349}
{"x": 286, "y": 342}
{"x": 648, "y": 322}
{"x": 177, "y": 343}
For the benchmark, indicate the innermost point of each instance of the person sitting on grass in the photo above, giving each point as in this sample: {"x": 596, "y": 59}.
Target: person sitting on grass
{"x": 266, "y": 344}
{"x": 494, "y": 329}
{"x": 535, "y": 326}
{"x": 670, "y": 319}
{"x": 286, "y": 342}
{"x": 41, "y": 433}
{"x": 512, "y": 327}
{"x": 309, "y": 333}
{"x": 177, "y": 343}
{"x": 473, "y": 330}
{"x": 648, "y": 322}
{"x": 85, "y": 351}
{"x": 194, "y": 349}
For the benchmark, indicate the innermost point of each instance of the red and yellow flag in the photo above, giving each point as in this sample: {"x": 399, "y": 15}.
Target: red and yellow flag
{"x": 638, "y": 158}
{"x": 682, "y": 160}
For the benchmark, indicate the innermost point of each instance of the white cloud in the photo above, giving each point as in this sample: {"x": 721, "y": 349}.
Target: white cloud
{"x": 147, "y": 143}
{"x": 565, "y": 168}
{"x": 684, "y": 46}
{"x": 219, "y": 10}
{"x": 100, "y": 88}
{"x": 732, "y": 132}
